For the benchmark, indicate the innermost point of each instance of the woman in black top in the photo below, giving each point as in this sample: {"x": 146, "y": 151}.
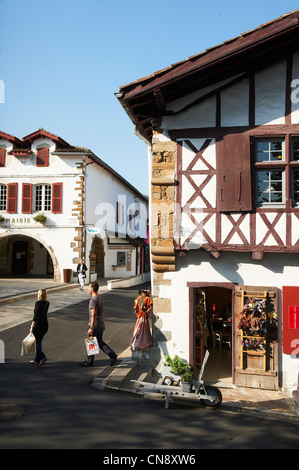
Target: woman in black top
{"x": 39, "y": 326}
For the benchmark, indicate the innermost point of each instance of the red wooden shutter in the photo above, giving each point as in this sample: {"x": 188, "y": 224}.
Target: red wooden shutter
{"x": 57, "y": 198}
{"x": 290, "y": 305}
{"x": 234, "y": 174}
{"x": 12, "y": 198}
{"x": 42, "y": 157}
{"x": 2, "y": 157}
{"x": 26, "y": 198}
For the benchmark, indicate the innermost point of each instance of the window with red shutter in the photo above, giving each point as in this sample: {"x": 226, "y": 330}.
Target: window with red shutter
{"x": 42, "y": 157}
{"x": 57, "y": 198}
{"x": 2, "y": 157}
{"x": 234, "y": 174}
{"x": 26, "y": 198}
{"x": 12, "y": 198}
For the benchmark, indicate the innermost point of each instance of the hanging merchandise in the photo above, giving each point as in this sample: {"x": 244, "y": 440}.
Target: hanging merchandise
{"x": 257, "y": 318}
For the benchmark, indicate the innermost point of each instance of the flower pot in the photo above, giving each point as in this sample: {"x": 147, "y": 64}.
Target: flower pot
{"x": 166, "y": 373}
{"x": 186, "y": 386}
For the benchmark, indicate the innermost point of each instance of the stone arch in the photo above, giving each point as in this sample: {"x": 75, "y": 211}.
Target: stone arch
{"x": 24, "y": 233}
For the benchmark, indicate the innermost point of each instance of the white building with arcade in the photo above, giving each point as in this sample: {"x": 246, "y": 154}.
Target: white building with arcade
{"x": 59, "y": 203}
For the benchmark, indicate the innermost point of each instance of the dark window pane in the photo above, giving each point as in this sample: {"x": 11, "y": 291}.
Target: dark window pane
{"x": 276, "y": 197}
{"x": 276, "y": 175}
{"x": 276, "y": 187}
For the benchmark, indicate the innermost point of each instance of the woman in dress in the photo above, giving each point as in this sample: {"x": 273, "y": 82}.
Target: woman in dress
{"x": 142, "y": 338}
{"x": 39, "y": 326}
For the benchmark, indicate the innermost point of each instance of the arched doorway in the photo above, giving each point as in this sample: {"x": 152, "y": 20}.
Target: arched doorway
{"x": 96, "y": 258}
{"x": 19, "y": 261}
{"x": 25, "y": 256}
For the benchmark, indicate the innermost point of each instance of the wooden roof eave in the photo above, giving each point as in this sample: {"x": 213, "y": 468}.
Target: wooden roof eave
{"x": 214, "y": 55}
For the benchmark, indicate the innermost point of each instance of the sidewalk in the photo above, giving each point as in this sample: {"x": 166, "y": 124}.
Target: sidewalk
{"x": 268, "y": 404}
{"x": 17, "y": 298}
{"x": 16, "y": 304}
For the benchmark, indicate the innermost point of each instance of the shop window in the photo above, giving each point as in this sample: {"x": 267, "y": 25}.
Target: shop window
{"x": 256, "y": 337}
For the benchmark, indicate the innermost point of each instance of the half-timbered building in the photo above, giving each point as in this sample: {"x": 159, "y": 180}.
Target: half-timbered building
{"x": 223, "y": 134}
{"x": 59, "y": 203}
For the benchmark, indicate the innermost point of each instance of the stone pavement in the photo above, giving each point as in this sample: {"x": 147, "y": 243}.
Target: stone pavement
{"x": 17, "y": 297}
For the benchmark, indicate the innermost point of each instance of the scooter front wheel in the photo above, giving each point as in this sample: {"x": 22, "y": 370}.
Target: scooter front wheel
{"x": 216, "y": 397}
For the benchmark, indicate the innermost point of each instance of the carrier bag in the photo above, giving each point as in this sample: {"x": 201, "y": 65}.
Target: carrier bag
{"x": 92, "y": 346}
{"x": 28, "y": 345}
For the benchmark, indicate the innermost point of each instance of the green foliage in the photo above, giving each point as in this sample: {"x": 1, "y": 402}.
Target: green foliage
{"x": 40, "y": 218}
{"x": 179, "y": 367}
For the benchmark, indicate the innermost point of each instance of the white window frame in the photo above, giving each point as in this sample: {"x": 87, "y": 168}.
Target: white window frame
{"x": 274, "y": 165}
{"x": 3, "y": 197}
{"x": 45, "y": 203}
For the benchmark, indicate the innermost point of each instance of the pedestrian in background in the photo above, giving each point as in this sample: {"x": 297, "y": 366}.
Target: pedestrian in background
{"x": 81, "y": 270}
{"x": 96, "y": 325}
{"x": 39, "y": 325}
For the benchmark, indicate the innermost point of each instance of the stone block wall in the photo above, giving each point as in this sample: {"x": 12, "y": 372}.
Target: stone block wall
{"x": 162, "y": 235}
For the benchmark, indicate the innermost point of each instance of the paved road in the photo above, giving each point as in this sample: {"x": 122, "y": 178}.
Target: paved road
{"x": 63, "y": 411}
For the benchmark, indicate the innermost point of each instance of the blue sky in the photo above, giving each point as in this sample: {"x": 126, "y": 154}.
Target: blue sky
{"x": 61, "y": 62}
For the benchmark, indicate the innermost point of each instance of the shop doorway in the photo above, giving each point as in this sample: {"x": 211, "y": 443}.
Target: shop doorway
{"x": 211, "y": 329}
{"x": 97, "y": 258}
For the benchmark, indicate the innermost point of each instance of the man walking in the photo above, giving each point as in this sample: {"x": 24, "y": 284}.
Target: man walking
{"x": 96, "y": 325}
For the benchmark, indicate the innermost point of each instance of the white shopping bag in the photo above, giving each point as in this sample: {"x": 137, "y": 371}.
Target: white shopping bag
{"x": 28, "y": 345}
{"x": 92, "y": 346}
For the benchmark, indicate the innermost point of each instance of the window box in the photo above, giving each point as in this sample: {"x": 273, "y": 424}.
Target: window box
{"x": 41, "y": 218}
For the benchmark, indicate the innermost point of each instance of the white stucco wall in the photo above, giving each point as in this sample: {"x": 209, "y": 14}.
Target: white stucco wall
{"x": 274, "y": 270}
{"x": 103, "y": 191}
{"x": 59, "y": 231}
{"x": 269, "y": 102}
